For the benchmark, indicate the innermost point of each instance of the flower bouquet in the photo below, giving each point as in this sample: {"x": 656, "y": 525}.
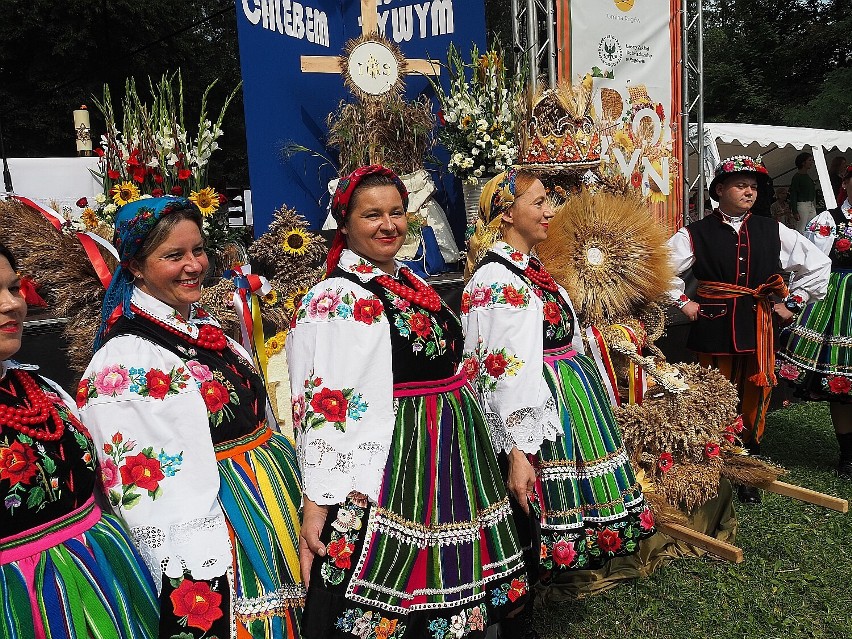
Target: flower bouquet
{"x": 477, "y": 116}
{"x": 154, "y": 154}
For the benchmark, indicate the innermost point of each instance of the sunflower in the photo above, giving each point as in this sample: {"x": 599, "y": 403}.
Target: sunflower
{"x": 207, "y": 200}
{"x": 89, "y": 219}
{"x": 295, "y": 298}
{"x": 125, "y": 193}
{"x": 296, "y": 242}
{"x": 271, "y": 298}
{"x": 275, "y": 344}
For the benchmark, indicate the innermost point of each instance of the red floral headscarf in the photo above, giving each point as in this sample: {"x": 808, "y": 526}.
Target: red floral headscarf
{"x": 340, "y": 205}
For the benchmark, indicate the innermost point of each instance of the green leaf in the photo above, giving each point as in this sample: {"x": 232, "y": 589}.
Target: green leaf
{"x": 341, "y": 426}
{"x": 130, "y": 500}
{"x": 36, "y": 497}
{"x": 148, "y": 452}
{"x": 24, "y": 439}
{"x": 153, "y": 494}
{"x": 430, "y": 349}
{"x": 114, "y": 497}
{"x": 49, "y": 465}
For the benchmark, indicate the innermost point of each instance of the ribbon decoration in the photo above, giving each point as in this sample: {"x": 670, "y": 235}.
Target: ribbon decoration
{"x": 247, "y": 307}
{"x": 600, "y": 353}
{"x": 86, "y": 239}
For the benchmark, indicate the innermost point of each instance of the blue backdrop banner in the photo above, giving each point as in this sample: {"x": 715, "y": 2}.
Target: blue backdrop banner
{"x": 285, "y": 107}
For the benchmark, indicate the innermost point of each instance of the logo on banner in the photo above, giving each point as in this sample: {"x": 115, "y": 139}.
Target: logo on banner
{"x": 624, "y": 5}
{"x": 610, "y": 50}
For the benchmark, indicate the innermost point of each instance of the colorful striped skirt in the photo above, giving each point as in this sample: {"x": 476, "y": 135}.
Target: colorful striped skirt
{"x": 590, "y": 507}
{"x": 260, "y": 493}
{"x": 76, "y": 577}
{"x": 438, "y": 555}
{"x": 816, "y": 350}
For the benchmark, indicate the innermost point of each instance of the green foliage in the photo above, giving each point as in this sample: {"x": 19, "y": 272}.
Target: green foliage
{"x": 780, "y": 63}
{"x": 54, "y": 56}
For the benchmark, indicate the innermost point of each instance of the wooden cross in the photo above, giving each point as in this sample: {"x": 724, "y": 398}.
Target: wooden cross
{"x": 369, "y": 25}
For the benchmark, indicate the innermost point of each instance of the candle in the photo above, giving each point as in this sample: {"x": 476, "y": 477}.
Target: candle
{"x": 82, "y": 130}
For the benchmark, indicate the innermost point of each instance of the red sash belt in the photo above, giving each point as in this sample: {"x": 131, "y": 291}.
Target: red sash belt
{"x": 765, "y": 351}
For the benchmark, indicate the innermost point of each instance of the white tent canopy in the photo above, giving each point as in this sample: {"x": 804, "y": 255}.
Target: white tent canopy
{"x": 778, "y": 145}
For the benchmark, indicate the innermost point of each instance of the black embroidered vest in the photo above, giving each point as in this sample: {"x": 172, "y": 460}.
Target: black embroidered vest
{"x": 425, "y": 345}
{"x": 747, "y": 258}
{"x": 841, "y": 250}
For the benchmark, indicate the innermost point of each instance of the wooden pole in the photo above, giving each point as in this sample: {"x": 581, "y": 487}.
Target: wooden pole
{"x": 721, "y": 549}
{"x": 809, "y": 496}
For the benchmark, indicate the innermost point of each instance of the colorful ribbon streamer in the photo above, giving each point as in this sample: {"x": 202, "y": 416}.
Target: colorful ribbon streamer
{"x": 247, "y": 307}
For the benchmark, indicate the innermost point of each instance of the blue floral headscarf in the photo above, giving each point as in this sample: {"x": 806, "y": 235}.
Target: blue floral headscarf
{"x": 133, "y": 223}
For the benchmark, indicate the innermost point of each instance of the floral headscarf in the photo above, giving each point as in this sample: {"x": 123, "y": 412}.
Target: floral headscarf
{"x": 343, "y": 196}
{"x": 497, "y": 197}
{"x": 133, "y": 223}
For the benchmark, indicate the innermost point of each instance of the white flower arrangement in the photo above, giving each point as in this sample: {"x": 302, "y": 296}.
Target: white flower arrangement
{"x": 477, "y": 117}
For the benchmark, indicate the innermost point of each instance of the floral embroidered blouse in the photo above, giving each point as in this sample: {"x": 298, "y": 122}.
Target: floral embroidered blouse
{"x": 41, "y": 481}
{"x": 831, "y": 231}
{"x": 157, "y": 406}
{"x": 509, "y": 322}
{"x": 351, "y": 342}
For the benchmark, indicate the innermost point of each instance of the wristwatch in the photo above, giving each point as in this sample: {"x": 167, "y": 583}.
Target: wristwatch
{"x": 794, "y": 304}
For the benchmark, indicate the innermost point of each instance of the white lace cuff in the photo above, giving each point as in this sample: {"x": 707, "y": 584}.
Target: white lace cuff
{"x": 526, "y": 428}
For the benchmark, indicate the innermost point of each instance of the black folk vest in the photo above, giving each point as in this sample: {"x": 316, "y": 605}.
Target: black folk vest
{"x": 747, "y": 258}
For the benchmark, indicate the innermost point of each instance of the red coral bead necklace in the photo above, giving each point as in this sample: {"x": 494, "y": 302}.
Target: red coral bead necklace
{"x": 536, "y": 272}
{"x": 422, "y": 294}
{"x": 210, "y": 337}
{"x": 41, "y": 410}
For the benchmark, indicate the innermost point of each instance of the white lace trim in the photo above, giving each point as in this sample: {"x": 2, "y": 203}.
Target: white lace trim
{"x": 269, "y": 605}
{"x": 207, "y": 535}
{"x": 588, "y": 471}
{"x": 450, "y": 534}
{"x": 526, "y": 428}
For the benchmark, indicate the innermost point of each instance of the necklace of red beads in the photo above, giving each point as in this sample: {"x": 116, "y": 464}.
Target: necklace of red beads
{"x": 41, "y": 410}
{"x": 209, "y": 337}
{"x": 422, "y": 294}
{"x": 539, "y": 275}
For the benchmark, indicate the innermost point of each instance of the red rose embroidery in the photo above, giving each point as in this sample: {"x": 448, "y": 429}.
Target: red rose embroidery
{"x": 825, "y": 230}
{"x": 471, "y": 367}
{"x": 331, "y": 403}
{"x": 517, "y": 589}
{"x": 564, "y": 553}
{"x": 552, "y": 313}
{"x": 646, "y": 519}
{"x": 465, "y": 302}
{"x": 368, "y": 310}
{"x": 495, "y": 364}
{"x": 17, "y": 463}
{"x": 364, "y": 268}
{"x": 159, "y": 383}
{"x": 517, "y": 256}
{"x": 420, "y": 324}
{"x": 842, "y": 245}
{"x": 82, "y": 392}
{"x": 608, "y": 540}
{"x": 198, "y": 603}
{"x": 665, "y": 462}
{"x": 341, "y": 553}
{"x": 142, "y": 471}
{"x": 839, "y": 385}
{"x": 215, "y": 395}
{"x": 789, "y": 371}
{"x": 512, "y": 296}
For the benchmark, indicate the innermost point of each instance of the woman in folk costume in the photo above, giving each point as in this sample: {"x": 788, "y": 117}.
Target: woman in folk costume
{"x": 407, "y": 528}
{"x": 185, "y": 438}
{"x": 816, "y": 351}
{"x": 66, "y": 570}
{"x": 545, "y": 401}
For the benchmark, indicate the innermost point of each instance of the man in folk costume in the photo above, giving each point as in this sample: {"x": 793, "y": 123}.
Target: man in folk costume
{"x": 738, "y": 259}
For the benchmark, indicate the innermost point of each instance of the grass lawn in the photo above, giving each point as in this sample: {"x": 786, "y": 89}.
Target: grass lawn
{"x": 796, "y": 580}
